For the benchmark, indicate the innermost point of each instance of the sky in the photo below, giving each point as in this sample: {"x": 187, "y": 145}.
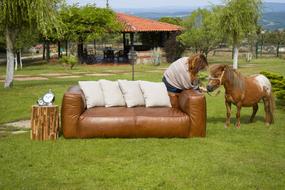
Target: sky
{"x": 116, "y": 4}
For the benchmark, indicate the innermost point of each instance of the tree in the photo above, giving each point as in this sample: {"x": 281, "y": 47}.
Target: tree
{"x": 171, "y": 20}
{"x": 173, "y": 48}
{"x": 275, "y": 37}
{"x": 201, "y": 31}
{"x": 18, "y": 15}
{"x": 87, "y": 23}
{"x": 238, "y": 19}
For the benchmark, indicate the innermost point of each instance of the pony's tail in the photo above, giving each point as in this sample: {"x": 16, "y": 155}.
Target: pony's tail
{"x": 271, "y": 107}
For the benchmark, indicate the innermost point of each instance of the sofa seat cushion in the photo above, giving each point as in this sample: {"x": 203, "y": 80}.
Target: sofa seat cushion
{"x": 107, "y": 122}
{"x": 161, "y": 122}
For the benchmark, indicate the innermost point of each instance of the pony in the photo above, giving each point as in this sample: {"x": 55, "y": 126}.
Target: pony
{"x": 242, "y": 91}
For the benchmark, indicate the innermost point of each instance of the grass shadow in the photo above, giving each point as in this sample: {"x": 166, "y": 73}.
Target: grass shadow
{"x": 243, "y": 119}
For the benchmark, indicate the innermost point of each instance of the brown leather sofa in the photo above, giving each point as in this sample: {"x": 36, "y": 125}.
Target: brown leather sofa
{"x": 186, "y": 118}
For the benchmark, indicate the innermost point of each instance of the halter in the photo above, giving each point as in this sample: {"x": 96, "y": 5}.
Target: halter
{"x": 220, "y": 82}
{"x": 220, "y": 78}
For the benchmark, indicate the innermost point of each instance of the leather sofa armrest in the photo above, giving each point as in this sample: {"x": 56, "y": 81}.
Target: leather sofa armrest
{"x": 193, "y": 103}
{"x": 73, "y": 105}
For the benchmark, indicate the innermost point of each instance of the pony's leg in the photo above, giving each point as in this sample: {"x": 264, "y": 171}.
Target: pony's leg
{"x": 228, "y": 120}
{"x": 254, "y": 110}
{"x": 238, "y": 116}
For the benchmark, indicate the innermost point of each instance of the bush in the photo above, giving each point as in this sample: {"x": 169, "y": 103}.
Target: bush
{"x": 280, "y": 94}
{"x": 278, "y": 84}
{"x": 173, "y": 49}
{"x": 68, "y": 60}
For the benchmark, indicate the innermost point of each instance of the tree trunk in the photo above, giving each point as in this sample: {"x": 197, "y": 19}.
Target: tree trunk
{"x": 19, "y": 58}
{"x": 15, "y": 62}
{"x": 80, "y": 51}
{"x": 66, "y": 47}
{"x": 235, "y": 60}
{"x": 44, "y": 50}
{"x": 278, "y": 47}
{"x": 48, "y": 51}
{"x": 10, "y": 58}
{"x": 256, "y": 50}
{"x": 58, "y": 50}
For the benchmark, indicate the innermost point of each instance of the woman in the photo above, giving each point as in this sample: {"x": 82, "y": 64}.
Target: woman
{"x": 182, "y": 74}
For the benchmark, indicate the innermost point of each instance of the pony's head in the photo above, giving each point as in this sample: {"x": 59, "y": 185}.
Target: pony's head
{"x": 216, "y": 76}
{"x": 196, "y": 63}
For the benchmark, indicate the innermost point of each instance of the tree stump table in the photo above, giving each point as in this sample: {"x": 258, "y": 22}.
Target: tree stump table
{"x": 44, "y": 122}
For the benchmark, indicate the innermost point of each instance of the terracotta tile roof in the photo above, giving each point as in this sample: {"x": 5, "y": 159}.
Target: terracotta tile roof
{"x": 138, "y": 24}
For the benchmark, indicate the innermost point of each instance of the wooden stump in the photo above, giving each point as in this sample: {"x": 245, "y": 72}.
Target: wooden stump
{"x": 44, "y": 122}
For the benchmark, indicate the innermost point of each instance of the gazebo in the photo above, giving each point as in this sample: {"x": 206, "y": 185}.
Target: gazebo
{"x": 152, "y": 31}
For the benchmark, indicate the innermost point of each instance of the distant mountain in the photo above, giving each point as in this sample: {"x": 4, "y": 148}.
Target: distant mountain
{"x": 273, "y": 7}
{"x": 273, "y": 14}
{"x": 273, "y": 20}
{"x": 156, "y": 13}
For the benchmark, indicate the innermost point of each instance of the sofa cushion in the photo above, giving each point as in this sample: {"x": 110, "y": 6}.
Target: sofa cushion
{"x": 161, "y": 122}
{"x": 93, "y": 93}
{"x": 155, "y": 94}
{"x": 132, "y": 93}
{"x": 112, "y": 93}
{"x": 107, "y": 122}
{"x": 133, "y": 122}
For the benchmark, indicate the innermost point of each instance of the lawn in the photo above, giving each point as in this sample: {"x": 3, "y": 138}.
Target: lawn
{"x": 252, "y": 157}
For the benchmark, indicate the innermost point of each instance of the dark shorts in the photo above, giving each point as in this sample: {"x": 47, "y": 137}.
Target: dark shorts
{"x": 169, "y": 87}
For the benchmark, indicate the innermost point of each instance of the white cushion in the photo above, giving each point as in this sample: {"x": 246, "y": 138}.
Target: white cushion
{"x": 112, "y": 93}
{"x": 132, "y": 93}
{"x": 155, "y": 94}
{"x": 93, "y": 93}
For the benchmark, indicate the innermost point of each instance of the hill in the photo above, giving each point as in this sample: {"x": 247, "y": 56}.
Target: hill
{"x": 273, "y": 20}
{"x": 273, "y": 16}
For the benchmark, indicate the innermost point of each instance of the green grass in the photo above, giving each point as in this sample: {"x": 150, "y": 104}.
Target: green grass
{"x": 252, "y": 157}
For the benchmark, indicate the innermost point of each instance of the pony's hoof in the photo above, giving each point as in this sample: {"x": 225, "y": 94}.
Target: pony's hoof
{"x": 226, "y": 126}
{"x": 267, "y": 124}
{"x": 238, "y": 126}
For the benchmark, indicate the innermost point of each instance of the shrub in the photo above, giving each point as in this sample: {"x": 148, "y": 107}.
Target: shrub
{"x": 69, "y": 61}
{"x": 280, "y": 94}
{"x": 278, "y": 84}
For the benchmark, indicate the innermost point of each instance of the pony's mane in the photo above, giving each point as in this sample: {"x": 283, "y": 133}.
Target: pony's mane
{"x": 235, "y": 78}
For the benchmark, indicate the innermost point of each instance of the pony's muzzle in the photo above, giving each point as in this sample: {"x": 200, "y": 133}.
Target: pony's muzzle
{"x": 210, "y": 88}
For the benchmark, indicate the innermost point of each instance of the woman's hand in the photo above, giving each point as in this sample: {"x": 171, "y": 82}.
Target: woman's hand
{"x": 203, "y": 89}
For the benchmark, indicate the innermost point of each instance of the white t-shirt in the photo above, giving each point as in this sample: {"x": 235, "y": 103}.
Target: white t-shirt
{"x": 177, "y": 74}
